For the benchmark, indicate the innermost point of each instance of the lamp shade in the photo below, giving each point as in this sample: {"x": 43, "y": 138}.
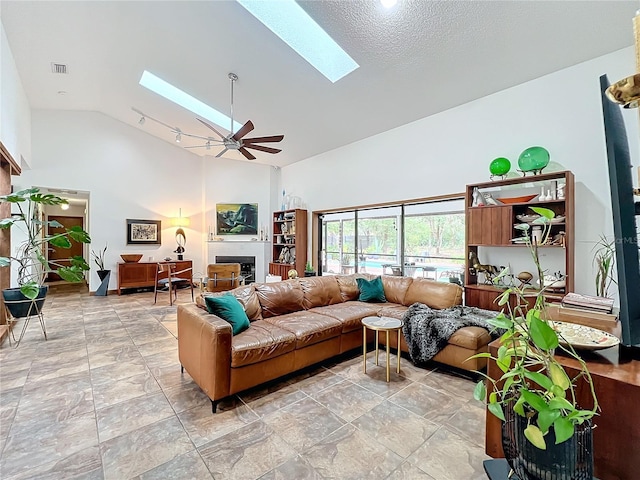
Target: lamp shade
{"x": 180, "y": 222}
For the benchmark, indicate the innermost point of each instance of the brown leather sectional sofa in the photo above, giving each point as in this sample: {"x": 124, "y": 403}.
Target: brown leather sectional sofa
{"x": 297, "y": 323}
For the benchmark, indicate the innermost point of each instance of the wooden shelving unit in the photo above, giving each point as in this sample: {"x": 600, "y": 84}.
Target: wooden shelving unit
{"x": 289, "y": 235}
{"x": 494, "y": 226}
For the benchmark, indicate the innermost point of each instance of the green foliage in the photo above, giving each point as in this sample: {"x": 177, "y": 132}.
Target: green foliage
{"x": 533, "y": 383}
{"x": 30, "y": 257}
{"x": 604, "y": 259}
{"x": 308, "y": 267}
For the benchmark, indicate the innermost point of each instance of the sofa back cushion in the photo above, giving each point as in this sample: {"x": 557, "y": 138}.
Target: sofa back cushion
{"x": 246, "y": 295}
{"x": 348, "y": 287}
{"x": 320, "y": 291}
{"x": 395, "y": 288}
{"x": 434, "y": 294}
{"x": 279, "y": 298}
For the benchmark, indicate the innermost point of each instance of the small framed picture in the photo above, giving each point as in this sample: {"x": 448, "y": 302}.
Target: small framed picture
{"x": 143, "y": 232}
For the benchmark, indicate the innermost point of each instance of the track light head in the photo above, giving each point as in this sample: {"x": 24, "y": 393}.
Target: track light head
{"x": 178, "y": 137}
{"x": 208, "y": 144}
{"x": 141, "y": 121}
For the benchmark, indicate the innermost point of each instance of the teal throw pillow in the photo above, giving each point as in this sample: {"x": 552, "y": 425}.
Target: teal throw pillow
{"x": 230, "y": 309}
{"x": 371, "y": 290}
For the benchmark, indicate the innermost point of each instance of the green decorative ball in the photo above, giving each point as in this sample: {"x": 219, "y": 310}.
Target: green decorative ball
{"x": 500, "y": 166}
{"x": 533, "y": 159}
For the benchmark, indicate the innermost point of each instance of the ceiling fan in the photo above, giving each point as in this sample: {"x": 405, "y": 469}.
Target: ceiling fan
{"x": 236, "y": 141}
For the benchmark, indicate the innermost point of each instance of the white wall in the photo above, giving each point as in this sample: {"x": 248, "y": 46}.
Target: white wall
{"x": 128, "y": 173}
{"x": 230, "y": 181}
{"x": 442, "y": 153}
{"x": 15, "y": 114}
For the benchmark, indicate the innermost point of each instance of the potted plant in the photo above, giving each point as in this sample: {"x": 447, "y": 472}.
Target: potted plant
{"x": 308, "y": 270}
{"x": 535, "y": 397}
{"x": 604, "y": 259}
{"x": 103, "y": 273}
{"x": 31, "y": 257}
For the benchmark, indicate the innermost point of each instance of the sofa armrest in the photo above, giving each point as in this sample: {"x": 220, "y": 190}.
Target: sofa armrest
{"x": 204, "y": 349}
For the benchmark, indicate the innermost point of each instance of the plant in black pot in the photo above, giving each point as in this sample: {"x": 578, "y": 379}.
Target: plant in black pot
{"x": 545, "y": 433}
{"x": 103, "y": 273}
{"x": 31, "y": 254}
{"x": 308, "y": 270}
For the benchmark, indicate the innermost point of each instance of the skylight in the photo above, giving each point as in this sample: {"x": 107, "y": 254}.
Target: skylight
{"x": 292, "y": 24}
{"x": 174, "y": 94}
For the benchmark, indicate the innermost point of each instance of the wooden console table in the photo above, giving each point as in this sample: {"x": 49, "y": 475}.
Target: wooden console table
{"x": 143, "y": 274}
{"x": 615, "y": 440}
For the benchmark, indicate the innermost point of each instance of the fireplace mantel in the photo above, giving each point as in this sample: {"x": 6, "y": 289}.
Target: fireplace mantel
{"x": 252, "y": 248}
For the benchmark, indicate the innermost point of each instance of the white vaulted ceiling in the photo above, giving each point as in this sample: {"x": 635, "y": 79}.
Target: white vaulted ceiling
{"x": 417, "y": 59}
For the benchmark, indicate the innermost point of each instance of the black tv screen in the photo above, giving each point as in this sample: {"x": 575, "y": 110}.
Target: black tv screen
{"x": 624, "y": 217}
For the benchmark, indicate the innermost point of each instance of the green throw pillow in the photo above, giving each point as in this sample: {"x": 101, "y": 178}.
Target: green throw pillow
{"x": 230, "y": 309}
{"x": 371, "y": 291}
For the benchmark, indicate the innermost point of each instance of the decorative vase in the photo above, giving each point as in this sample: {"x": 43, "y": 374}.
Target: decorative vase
{"x": 20, "y": 306}
{"x": 569, "y": 460}
{"x": 105, "y": 276}
{"x": 533, "y": 159}
{"x": 499, "y": 167}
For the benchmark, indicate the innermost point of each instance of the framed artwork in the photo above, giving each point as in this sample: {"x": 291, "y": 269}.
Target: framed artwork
{"x": 143, "y": 232}
{"x": 236, "y": 219}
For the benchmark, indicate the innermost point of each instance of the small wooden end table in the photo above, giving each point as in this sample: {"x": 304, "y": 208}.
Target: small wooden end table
{"x": 380, "y": 324}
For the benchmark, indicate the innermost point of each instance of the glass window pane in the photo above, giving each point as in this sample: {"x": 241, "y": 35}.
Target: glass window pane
{"x": 378, "y": 240}
{"x": 338, "y": 243}
{"x": 434, "y": 241}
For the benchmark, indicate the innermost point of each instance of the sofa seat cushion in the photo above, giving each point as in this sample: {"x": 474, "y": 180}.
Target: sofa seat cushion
{"x": 350, "y": 313}
{"x": 393, "y": 310}
{"x": 472, "y": 338}
{"x": 261, "y": 341}
{"x": 308, "y": 327}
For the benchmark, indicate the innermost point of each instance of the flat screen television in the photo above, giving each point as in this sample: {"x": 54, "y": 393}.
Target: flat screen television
{"x": 625, "y": 213}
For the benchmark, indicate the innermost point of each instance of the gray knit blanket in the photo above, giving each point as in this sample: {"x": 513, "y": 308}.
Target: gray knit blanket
{"x": 427, "y": 330}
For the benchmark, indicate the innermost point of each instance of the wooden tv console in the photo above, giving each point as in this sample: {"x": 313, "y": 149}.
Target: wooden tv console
{"x": 617, "y": 435}
{"x": 143, "y": 274}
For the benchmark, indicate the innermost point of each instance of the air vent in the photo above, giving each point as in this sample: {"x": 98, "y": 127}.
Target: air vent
{"x": 59, "y": 68}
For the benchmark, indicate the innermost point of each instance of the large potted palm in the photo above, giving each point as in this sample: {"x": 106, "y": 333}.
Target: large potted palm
{"x": 545, "y": 433}
{"x": 31, "y": 255}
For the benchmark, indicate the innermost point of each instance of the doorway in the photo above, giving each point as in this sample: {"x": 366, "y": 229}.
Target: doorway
{"x": 75, "y": 213}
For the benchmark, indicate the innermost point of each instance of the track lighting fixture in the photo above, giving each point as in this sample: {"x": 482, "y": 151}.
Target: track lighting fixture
{"x": 208, "y": 145}
{"x": 141, "y": 121}
{"x": 178, "y": 137}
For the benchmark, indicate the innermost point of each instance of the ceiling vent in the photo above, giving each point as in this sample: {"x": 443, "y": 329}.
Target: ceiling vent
{"x": 59, "y": 68}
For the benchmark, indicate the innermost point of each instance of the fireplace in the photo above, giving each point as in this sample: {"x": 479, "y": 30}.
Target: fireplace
{"x": 247, "y": 265}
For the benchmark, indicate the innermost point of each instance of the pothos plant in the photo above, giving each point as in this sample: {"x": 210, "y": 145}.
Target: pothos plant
{"x": 33, "y": 264}
{"x": 533, "y": 383}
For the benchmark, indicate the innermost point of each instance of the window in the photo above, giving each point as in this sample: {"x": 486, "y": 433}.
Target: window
{"x": 415, "y": 239}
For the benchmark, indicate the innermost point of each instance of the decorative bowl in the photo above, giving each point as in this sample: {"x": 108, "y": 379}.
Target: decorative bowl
{"x": 131, "y": 257}
{"x": 582, "y": 337}
{"x": 521, "y": 199}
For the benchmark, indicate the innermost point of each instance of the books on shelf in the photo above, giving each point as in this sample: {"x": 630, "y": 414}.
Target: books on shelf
{"x": 589, "y": 302}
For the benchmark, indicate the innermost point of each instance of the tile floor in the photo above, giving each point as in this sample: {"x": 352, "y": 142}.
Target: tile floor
{"x": 104, "y": 398}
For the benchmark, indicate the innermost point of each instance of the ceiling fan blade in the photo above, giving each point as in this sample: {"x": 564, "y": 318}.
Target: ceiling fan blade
{"x": 210, "y": 126}
{"x": 246, "y": 153}
{"x": 246, "y": 128}
{"x": 261, "y": 148}
{"x": 222, "y": 152}
{"x": 272, "y": 138}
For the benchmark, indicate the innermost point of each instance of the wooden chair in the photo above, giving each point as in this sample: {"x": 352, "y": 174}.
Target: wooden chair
{"x": 223, "y": 276}
{"x": 167, "y": 277}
